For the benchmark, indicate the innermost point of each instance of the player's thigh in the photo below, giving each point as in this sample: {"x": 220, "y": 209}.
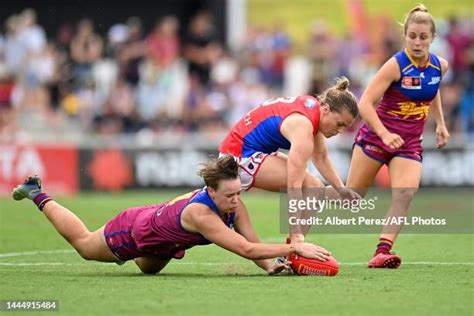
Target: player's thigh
{"x": 362, "y": 171}
{"x": 151, "y": 265}
{"x": 405, "y": 176}
{"x": 94, "y": 247}
{"x": 273, "y": 175}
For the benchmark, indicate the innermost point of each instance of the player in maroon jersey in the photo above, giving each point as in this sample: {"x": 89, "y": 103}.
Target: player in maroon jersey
{"x": 153, "y": 235}
{"x": 407, "y": 86}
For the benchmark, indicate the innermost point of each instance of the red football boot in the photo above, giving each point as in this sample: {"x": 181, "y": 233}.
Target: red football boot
{"x": 385, "y": 260}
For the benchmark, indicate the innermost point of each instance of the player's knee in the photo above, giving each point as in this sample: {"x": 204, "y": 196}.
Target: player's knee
{"x": 405, "y": 194}
{"x": 148, "y": 266}
{"x": 310, "y": 181}
{"x": 149, "y": 271}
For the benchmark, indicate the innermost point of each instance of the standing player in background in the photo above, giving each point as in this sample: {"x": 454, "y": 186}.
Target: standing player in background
{"x": 300, "y": 124}
{"x": 405, "y": 88}
{"x": 152, "y": 235}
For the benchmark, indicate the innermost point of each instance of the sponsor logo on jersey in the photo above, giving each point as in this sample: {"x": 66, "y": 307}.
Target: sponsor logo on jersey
{"x": 411, "y": 83}
{"x": 434, "y": 80}
{"x": 309, "y": 103}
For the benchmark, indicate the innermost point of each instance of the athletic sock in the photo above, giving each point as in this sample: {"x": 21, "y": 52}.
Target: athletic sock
{"x": 41, "y": 199}
{"x": 384, "y": 246}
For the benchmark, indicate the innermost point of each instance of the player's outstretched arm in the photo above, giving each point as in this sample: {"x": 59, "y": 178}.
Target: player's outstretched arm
{"x": 243, "y": 226}
{"x": 199, "y": 218}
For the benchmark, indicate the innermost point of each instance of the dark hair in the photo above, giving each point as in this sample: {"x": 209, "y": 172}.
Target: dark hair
{"x": 217, "y": 169}
{"x": 419, "y": 14}
{"x": 339, "y": 98}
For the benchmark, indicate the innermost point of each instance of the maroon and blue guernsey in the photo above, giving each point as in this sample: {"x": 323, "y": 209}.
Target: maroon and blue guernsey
{"x": 404, "y": 109}
{"x": 156, "y": 231}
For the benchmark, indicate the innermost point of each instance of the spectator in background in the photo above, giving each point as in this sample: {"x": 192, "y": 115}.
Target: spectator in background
{"x": 118, "y": 113}
{"x": 31, "y": 35}
{"x": 163, "y": 43}
{"x": 459, "y": 41}
{"x": 8, "y": 113}
{"x": 132, "y": 52}
{"x": 322, "y": 50}
{"x": 163, "y": 79}
{"x": 15, "y": 53}
{"x": 281, "y": 46}
{"x": 200, "y": 47}
{"x": 467, "y": 101}
{"x": 86, "y": 48}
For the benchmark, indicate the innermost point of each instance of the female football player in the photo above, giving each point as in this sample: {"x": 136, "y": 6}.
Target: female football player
{"x": 153, "y": 235}
{"x": 405, "y": 89}
{"x": 301, "y": 125}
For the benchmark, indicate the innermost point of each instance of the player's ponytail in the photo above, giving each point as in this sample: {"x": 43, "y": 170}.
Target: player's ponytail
{"x": 339, "y": 98}
{"x": 419, "y": 14}
{"x": 217, "y": 169}
{"x": 342, "y": 84}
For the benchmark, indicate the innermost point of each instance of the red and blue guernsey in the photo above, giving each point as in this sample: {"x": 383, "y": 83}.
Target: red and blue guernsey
{"x": 404, "y": 109}
{"x": 259, "y": 129}
{"x": 156, "y": 230}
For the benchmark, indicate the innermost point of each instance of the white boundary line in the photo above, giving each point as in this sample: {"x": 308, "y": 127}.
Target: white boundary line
{"x": 25, "y": 264}
{"x": 33, "y": 253}
{"x": 67, "y": 251}
{"x": 46, "y": 252}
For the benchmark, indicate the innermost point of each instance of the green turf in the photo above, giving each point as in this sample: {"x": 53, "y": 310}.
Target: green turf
{"x": 211, "y": 281}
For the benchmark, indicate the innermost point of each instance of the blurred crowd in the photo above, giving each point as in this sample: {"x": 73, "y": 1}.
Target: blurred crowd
{"x": 133, "y": 80}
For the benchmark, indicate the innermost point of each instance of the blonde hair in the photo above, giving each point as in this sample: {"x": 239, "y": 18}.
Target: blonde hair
{"x": 419, "y": 14}
{"x": 339, "y": 98}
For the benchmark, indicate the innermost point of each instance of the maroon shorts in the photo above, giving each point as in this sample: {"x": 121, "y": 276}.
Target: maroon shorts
{"x": 118, "y": 233}
{"x": 373, "y": 147}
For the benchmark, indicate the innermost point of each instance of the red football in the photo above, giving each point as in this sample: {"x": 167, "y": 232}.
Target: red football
{"x": 306, "y": 266}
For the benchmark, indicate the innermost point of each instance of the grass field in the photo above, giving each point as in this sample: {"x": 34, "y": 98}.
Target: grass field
{"x": 35, "y": 263}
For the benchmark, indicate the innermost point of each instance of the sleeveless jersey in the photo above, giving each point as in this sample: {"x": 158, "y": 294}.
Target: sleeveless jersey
{"x": 405, "y": 105}
{"x": 259, "y": 129}
{"x": 156, "y": 230}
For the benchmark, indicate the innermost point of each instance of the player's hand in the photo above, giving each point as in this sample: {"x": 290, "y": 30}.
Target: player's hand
{"x": 348, "y": 194}
{"x": 312, "y": 251}
{"x": 392, "y": 140}
{"x": 442, "y": 136}
{"x": 279, "y": 267}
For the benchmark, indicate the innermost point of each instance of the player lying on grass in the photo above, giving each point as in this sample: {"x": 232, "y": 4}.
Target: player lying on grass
{"x": 152, "y": 235}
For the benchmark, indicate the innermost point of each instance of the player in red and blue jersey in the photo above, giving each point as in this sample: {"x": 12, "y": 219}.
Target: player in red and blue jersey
{"x": 407, "y": 86}
{"x": 152, "y": 235}
{"x": 300, "y": 125}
